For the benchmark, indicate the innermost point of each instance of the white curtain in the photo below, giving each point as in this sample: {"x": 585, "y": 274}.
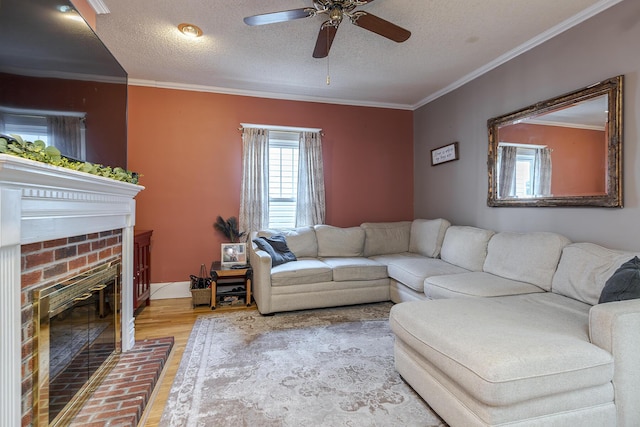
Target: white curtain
{"x": 65, "y": 134}
{"x": 310, "y": 208}
{"x": 254, "y": 200}
{"x": 506, "y": 170}
{"x": 542, "y": 172}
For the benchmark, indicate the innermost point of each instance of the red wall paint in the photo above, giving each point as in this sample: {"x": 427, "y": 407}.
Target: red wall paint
{"x": 578, "y": 156}
{"x": 188, "y": 148}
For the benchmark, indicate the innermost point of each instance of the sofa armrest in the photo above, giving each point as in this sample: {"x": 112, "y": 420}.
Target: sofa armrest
{"x": 615, "y": 327}
{"x": 261, "y": 285}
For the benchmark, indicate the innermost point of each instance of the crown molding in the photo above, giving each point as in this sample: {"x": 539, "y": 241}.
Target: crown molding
{"x": 536, "y": 41}
{"x": 269, "y": 95}
{"x": 99, "y": 7}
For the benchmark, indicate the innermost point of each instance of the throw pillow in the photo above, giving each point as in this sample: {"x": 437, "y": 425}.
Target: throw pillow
{"x": 276, "y": 247}
{"x": 623, "y": 284}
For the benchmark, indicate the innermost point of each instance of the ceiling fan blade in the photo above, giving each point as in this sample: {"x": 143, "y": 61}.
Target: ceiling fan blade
{"x": 272, "y": 18}
{"x": 325, "y": 39}
{"x": 380, "y": 26}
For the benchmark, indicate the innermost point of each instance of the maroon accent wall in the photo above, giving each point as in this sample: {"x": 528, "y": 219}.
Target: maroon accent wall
{"x": 188, "y": 148}
{"x": 102, "y": 103}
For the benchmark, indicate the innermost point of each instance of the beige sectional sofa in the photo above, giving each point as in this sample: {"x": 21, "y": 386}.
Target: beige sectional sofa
{"x": 494, "y": 329}
{"x": 342, "y": 266}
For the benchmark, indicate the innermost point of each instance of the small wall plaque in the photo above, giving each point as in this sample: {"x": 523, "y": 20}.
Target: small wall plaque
{"x": 446, "y": 153}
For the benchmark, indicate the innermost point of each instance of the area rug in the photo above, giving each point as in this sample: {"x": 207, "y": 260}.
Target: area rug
{"x": 329, "y": 367}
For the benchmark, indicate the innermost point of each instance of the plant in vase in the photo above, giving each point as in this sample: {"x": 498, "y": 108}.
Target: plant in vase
{"x": 229, "y": 228}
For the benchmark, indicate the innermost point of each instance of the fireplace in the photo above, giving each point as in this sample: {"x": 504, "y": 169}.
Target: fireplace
{"x": 67, "y": 222}
{"x": 76, "y": 330}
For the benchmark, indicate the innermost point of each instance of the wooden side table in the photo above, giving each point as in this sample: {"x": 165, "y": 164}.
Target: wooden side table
{"x": 230, "y": 278}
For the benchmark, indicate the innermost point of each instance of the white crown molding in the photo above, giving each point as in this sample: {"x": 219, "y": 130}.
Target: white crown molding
{"x": 269, "y": 95}
{"x": 99, "y": 6}
{"x": 536, "y": 41}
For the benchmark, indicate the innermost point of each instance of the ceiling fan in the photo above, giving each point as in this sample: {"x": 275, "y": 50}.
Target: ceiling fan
{"x": 335, "y": 10}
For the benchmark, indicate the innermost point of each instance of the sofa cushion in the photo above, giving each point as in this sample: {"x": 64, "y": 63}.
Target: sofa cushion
{"x": 386, "y": 237}
{"x": 427, "y": 236}
{"x": 389, "y": 258}
{"x": 527, "y": 257}
{"x": 466, "y": 247}
{"x": 356, "y": 268}
{"x": 339, "y": 242}
{"x": 411, "y": 272}
{"x": 302, "y": 240}
{"x": 301, "y": 272}
{"x": 506, "y": 350}
{"x": 584, "y": 269}
{"x": 475, "y": 284}
{"x": 624, "y": 284}
{"x": 276, "y": 247}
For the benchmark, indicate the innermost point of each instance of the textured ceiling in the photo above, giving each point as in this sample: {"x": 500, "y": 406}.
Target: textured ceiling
{"x": 451, "y": 42}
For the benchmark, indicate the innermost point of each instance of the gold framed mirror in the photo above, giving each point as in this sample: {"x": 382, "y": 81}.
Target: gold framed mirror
{"x": 566, "y": 151}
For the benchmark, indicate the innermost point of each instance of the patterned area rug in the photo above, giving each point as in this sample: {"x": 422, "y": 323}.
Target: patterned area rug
{"x": 329, "y": 367}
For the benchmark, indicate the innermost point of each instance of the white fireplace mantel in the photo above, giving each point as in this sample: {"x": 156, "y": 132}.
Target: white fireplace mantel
{"x": 40, "y": 202}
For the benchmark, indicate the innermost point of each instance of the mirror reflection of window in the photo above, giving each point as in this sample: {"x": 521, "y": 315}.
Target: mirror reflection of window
{"x": 525, "y": 171}
{"x": 63, "y": 130}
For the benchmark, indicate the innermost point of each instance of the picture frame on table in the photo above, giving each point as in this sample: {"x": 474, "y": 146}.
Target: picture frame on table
{"x": 233, "y": 254}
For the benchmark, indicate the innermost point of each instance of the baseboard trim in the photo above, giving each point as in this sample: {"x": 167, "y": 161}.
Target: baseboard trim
{"x": 170, "y": 290}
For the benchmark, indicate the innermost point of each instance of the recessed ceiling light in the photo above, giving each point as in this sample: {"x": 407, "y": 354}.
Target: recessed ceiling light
{"x": 190, "y": 30}
{"x": 64, "y": 8}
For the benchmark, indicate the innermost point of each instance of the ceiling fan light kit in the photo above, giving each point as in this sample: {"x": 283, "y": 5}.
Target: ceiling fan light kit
{"x": 335, "y": 10}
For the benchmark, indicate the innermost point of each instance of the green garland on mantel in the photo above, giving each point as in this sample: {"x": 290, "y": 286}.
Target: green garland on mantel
{"x": 38, "y": 151}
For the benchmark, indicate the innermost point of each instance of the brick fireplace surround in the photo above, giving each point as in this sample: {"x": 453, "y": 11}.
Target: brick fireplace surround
{"x": 54, "y": 223}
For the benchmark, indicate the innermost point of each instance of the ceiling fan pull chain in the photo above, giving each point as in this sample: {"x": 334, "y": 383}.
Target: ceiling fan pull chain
{"x": 328, "y": 73}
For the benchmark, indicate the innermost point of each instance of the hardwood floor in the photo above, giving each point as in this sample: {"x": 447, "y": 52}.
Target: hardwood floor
{"x": 169, "y": 318}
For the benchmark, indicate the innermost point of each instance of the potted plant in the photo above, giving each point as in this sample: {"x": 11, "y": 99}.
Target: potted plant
{"x": 229, "y": 228}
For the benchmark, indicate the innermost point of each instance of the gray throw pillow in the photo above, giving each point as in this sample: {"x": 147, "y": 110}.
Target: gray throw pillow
{"x": 623, "y": 284}
{"x": 276, "y": 247}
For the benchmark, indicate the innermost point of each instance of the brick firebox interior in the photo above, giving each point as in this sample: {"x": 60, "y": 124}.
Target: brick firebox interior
{"x": 44, "y": 264}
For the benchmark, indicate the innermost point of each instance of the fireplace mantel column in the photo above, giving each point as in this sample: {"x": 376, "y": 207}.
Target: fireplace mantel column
{"x": 10, "y": 351}
{"x": 128, "y": 321}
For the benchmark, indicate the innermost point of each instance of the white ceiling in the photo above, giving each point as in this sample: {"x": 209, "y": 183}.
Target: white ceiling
{"x": 452, "y": 42}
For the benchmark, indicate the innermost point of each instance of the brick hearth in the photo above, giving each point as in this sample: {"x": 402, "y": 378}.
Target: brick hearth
{"x": 124, "y": 394}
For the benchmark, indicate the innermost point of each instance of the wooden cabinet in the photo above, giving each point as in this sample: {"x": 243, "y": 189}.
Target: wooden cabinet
{"x": 141, "y": 268}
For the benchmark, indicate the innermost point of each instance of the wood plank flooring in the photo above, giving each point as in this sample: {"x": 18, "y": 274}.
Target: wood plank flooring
{"x": 165, "y": 318}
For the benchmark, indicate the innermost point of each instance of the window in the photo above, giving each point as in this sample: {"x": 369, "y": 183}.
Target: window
{"x": 283, "y": 178}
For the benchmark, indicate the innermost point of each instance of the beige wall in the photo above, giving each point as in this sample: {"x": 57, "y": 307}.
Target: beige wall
{"x": 602, "y": 47}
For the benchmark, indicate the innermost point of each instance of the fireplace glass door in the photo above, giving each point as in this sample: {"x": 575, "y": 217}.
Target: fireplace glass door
{"x": 77, "y": 341}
